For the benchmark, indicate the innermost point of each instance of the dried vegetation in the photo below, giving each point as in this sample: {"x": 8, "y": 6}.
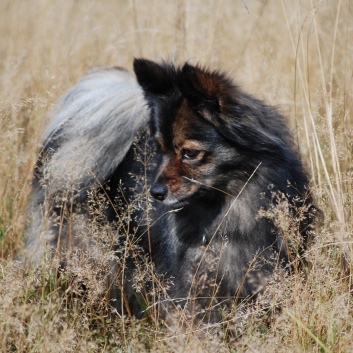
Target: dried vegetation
{"x": 294, "y": 54}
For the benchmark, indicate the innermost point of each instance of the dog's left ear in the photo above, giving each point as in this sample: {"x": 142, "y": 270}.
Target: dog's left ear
{"x": 201, "y": 88}
{"x": 237, "y": 116}
{"x": 208, "y": 92}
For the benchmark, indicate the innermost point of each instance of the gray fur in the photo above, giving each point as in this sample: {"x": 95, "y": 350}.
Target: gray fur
{"x": 92, "y": 127}
{"x": 102, "y": 114}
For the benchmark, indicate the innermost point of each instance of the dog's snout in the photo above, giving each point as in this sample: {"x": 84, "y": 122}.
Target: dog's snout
{"x": 159, "y": 191}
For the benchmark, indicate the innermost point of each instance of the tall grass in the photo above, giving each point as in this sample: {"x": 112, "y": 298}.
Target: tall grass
{"x": 294, "y": 54}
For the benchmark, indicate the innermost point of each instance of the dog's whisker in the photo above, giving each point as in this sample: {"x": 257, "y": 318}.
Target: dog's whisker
{"x": 208, "y": 186}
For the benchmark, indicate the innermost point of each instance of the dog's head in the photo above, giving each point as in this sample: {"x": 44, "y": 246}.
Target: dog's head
{"x": 209, "y": 132}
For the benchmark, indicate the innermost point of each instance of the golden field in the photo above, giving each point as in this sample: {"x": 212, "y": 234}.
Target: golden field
{"x": 294, "y": 54}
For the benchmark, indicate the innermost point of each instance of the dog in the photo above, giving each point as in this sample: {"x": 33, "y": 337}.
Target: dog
{"x": 204, "y": 164}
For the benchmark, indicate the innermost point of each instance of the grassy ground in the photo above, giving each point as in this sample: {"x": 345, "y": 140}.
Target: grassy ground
{"x": 294, "y": 54}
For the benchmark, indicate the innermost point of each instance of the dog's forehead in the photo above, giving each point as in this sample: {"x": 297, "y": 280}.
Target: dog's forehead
{"x": 178, "y": 122}
{"x": 183, "y": 119}
{"x": 164, "y": 112}
{"x": 190, "y": 125}
{"x": 169, "y": 118}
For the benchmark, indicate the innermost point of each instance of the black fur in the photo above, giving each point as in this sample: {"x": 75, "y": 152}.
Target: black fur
{"x": 222, "y": 157}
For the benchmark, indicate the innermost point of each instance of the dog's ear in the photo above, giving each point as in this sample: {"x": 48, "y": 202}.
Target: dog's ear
{"x": 208, "y": 92}
{"x": 154, "y": 78}
{"x": 236, "y": 115}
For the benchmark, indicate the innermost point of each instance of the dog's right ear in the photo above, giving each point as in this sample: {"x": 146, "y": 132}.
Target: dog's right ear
{"x": 154, "y": 78}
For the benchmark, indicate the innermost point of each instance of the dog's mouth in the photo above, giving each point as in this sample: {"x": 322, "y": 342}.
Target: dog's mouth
{"x": 172, "y": 202}
{"x": 161, "y": 193}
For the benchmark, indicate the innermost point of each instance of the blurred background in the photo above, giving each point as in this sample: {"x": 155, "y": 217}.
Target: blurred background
{"x": 296, "y": 55}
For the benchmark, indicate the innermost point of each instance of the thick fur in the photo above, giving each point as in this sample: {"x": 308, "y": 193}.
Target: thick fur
{"x": 220, "y": 158}
{"x": 92, "y": 129}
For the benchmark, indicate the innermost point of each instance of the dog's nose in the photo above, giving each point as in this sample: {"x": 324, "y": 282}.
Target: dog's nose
{"x": 159, "y": 191}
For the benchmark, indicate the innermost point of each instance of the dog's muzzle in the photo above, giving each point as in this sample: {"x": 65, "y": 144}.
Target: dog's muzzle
{"x": 159, "y": 191}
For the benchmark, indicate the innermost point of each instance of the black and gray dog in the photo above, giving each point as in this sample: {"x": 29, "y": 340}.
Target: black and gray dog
{"x": 217, "y": 159}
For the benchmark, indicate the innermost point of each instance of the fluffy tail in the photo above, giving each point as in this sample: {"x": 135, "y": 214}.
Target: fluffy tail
{"x": 92, "y": 127}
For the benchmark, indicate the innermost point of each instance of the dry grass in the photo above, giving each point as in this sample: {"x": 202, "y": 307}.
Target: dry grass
{"x": 294, "y": 54}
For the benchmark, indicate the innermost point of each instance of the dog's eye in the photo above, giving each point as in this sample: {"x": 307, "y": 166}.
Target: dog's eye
{"x": 189, "y": 154}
